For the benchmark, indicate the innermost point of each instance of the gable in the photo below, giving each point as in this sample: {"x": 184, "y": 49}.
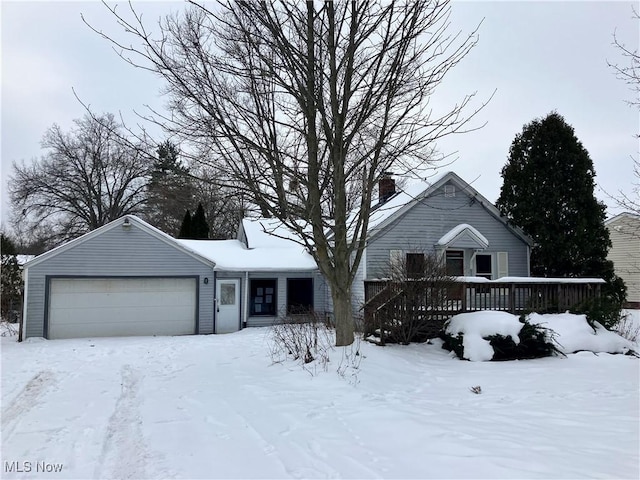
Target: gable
{"x": 448, "y": 192}
{"x": 120, "y": 240}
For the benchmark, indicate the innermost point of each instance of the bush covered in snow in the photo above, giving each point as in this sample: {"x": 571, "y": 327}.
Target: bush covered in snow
{"x": 489, "y": 335}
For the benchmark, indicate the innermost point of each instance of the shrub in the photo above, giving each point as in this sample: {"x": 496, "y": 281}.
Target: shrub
{"x": 606, "y": 310}
{"x": 411, "y": 305}
{"x": 627, "y": 328}
{"x": 535, "y": 341}
{"x": 304, "y": 338}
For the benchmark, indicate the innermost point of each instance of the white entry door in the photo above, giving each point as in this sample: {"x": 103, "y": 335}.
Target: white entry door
{"x": 227, "y": 305}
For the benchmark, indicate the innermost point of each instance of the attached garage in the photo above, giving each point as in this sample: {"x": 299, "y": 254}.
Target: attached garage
{"x": 123, "y": 279}
{"x": 109, "y": 307}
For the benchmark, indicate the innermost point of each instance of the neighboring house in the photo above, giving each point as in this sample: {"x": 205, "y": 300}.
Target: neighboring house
{"x": 129, "y": 278}
{"x": 446, "y": 217}
{"x": 624, "y": 231}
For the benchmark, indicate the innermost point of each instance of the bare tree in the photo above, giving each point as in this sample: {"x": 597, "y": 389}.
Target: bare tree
{"x": 305, "y": 105}
{"x": 90, "y": 176}
{"x": 413, "y": 304}
{"x": 630, "y": 74}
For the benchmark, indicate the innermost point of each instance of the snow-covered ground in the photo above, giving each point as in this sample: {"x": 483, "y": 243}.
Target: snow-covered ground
{"x": 216, "y": 407}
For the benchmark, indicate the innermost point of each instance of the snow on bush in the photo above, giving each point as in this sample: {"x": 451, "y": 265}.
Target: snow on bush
{"x": 479, "y": 332}
{"x": 477, "y": 326}
{"x": 573, "y": 334}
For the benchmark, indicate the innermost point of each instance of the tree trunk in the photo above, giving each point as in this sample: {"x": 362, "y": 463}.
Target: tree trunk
{"x": 343, "y": 316}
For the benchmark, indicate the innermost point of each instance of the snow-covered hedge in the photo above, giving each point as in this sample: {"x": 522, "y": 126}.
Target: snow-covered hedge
{"x": 489, "y": 335}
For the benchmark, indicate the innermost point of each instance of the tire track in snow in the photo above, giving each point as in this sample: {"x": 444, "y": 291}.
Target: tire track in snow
{"x": 123, "y": 450}
{"x": 28, "y": 398}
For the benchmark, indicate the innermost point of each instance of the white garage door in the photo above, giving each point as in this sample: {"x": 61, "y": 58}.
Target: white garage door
{"x": 106, "y": 307}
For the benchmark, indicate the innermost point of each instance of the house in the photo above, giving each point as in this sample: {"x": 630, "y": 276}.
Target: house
{"x": 129, "y": 278}
{"x": 624, "y": 231}
{"x": 448, "y": 218}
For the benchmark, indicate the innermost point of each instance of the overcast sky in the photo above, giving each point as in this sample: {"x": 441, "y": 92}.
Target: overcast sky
{"x": 537, "y": 56}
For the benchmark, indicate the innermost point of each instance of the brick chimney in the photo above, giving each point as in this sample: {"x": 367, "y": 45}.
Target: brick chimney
{"x": 386, "y": 187}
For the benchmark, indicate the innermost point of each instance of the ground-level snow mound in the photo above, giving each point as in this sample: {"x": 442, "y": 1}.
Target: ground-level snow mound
{"x": 479, "y": 333}
{"x": 573, "y": 334}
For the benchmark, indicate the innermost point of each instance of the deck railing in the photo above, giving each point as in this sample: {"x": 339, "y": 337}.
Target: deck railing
{"x": 386, "y": 299}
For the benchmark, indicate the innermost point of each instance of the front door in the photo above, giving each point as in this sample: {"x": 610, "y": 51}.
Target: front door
{"x": 227, "y": 305}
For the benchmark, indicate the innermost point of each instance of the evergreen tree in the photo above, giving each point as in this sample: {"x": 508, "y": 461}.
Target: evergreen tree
{"x": 170, "y": 189}
{"x": 548, "y": 191}
{"x": 11, "y": 284}
{"x": 185, "y": 228}
{"x": 199, "y": 225}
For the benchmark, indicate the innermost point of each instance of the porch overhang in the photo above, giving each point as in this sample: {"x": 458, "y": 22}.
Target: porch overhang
{"x": 463, "y": 236}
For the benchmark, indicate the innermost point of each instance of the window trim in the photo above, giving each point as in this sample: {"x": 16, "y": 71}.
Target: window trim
{"x": 252, "y": 296}
{"x": 489, "y": 274}
{"x": 419, "y": 272}
{"x": 461, "y": 254}
{"x": 312, "y": 306}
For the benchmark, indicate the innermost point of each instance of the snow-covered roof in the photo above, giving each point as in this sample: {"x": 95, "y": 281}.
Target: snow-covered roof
{"x": 233, "y": 255}
{"x": 22, "y": 259}
{"x": 400, "y": 199}
{"x": 267, "y": 232}
{"x": 463, "y": 230}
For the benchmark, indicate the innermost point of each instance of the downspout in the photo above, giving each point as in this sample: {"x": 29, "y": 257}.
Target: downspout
{"x": 245, "y": 308}
{"x": 23, "y": 318}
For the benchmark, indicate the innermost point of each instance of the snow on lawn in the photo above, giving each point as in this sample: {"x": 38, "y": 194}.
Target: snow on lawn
{"x": 215, "y": 407}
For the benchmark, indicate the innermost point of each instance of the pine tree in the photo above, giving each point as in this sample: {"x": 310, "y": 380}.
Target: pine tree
{"x": 548, "y": 191}
{"x": 199, "y": 225}
{"x": 11, "y": 284}
{"x": 170, "y": 189}
{"x": 185, "y": 228}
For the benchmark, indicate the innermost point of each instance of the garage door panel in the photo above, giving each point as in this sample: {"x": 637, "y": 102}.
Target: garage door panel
{"x": 135, "y": 299}
{"x": 121, "y": 307}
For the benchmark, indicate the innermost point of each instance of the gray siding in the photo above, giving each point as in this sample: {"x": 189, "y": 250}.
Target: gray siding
{"x": 319, "y": 298}
{"x": 421, "y": 227}
{"x": 118, "y": 252}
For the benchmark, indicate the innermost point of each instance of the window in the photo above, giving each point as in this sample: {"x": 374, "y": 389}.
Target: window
{"x": 228, "y": 294}
{"x": 299, "y": 295}
{"x": 455, "y": 263}
{"x": 263, "y": 297}
{"x": 483, "y": 266}
{"x": 415, "y": 265}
